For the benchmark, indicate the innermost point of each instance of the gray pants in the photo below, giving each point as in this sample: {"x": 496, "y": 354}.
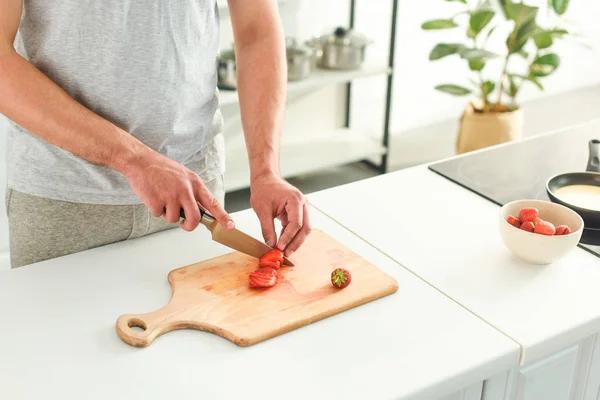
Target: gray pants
{"x": 40, "y": 228}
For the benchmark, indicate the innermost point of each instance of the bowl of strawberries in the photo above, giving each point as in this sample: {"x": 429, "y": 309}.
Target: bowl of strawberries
{"x": 539, "y": 232}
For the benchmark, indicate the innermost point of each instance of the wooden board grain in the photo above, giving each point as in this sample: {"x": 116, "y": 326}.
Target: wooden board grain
{"x": 214, "y": 295}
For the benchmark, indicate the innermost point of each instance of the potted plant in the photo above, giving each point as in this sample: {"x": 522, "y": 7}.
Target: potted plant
{"x": 526, "y": 56}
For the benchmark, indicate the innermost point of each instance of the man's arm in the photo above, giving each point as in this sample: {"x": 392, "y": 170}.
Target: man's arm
{"x": 261, "y": 82}
{"x": 32, "y": 100}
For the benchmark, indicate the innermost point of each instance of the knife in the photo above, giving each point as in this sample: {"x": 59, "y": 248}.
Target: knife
{"x": 234, "y": 239}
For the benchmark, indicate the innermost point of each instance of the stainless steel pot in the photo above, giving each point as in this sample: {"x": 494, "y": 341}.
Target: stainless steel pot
{"x": 342, "y": 49}
{"x": 226, "y": 70}
{"x": 300, "y": 60}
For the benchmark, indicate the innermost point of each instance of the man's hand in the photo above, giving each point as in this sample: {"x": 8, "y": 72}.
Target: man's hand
{"x": 166, "y": 186}
{"x": 261, "y": 82}
{"x": 272, "y": 197}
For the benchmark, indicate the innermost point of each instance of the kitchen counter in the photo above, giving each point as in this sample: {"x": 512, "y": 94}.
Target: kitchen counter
{"x": 59, "y": 342}
{"x": 449, "y": 237}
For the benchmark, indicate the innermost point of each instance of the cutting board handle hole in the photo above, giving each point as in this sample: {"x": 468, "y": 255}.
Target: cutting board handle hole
{"x": 137, "y": 325}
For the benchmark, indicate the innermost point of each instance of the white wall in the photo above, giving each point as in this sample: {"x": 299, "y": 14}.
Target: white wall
{"x": 415, "y": 103}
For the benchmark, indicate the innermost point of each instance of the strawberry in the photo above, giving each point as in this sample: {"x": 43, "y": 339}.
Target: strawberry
{"x": 513, "y": 221}
{"x": 562, "y": 230}
{"x": 270, "y": 264}
{"x": 528, "y": 226}
{"x": 528, "y": 214}
{"x": 272, "y": 255}
{"x": 340, "y": 278}
{"x": 545, "y": 228}
{"x": 263, "y": 277}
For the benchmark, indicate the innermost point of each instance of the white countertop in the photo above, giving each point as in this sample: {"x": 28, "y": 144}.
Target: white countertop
{"x": 59, "y": 342}
{"x": 449, "y": 236}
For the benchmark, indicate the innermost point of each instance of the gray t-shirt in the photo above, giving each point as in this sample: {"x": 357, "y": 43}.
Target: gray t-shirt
{"x": 148, "y": 66}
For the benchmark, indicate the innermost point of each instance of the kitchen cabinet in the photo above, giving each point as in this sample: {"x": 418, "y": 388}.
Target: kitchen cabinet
{"x": 62, "y": 340}
{"x": 449, "y": 237}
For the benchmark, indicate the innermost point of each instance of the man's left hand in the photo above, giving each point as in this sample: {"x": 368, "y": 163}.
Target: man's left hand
{"x": 272, "y": 197}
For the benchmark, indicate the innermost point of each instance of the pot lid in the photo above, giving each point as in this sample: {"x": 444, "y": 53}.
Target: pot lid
{"x": 294, "y": 47}
{"x": 344, "y": 36}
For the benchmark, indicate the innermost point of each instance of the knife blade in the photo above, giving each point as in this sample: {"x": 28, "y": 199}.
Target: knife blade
{"x": 235, "y": 238}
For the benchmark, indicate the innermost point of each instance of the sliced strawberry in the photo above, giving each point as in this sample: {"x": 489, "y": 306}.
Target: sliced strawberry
{"x": 263, "y": 277}
{"x": 528, "y": 214}
{"x": 528, "y": 226}
{"x": 340, "y": 278}
{"x": 270, "y": 264}
{"x": 545, "y": 228}
{"x": 513, "y": 221}
{"x": 272, "y": 255}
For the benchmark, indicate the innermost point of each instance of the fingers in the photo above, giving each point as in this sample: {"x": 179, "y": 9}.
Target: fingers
{"x": 211, "y": 204}
{"x": 302, "y": 234}
{"x": 172, "y": 213}
{"x": 192, "y": 213}
{"x": 268, "y": 227}
{"x": 295, "y": 215}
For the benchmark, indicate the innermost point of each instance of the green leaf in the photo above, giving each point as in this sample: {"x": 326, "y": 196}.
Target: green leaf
{"x": 477, "y": 54}
{"x": 525, "y": 26}
{"x": 523, "y": 53}
{"x": 444, "y": 49}
{"x": 560, "y": 6}
{"x": 488, "y": 35}
{"x": 487, "y": 87}
{"x": 439, "y": 24}
{"x": 543, "y": 39}
{"x": 531, "y": 79}
{"x": 504, "y": 6}
{"x": 545, "y": 65}
{"x": 479, "y": 20}
{"x": 520, "y": 35}
{"x": 558, "y": 32}
{"x": 476, "y": 65}
{"x": 520, "y": 13}
{"x": 534, "y": 80}
{"x": 453, "y": 89}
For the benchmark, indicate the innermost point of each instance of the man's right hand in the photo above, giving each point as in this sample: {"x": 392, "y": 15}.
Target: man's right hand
{"x": 166, "y": 186}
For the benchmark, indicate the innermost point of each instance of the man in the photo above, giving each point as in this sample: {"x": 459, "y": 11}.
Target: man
{"x": 116, "y": 122}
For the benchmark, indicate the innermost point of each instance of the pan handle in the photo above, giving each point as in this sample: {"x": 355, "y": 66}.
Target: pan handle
{"x": 594, "y": 158}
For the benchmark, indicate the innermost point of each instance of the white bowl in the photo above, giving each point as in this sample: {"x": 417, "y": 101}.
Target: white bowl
{"x": 535, "y": 248}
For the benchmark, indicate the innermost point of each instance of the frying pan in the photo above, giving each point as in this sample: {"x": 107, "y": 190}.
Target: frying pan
{"x": 590, "y": 177}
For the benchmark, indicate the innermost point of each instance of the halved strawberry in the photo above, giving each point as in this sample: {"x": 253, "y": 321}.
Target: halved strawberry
{"x": 272, "y": 255}
{"x": 513, "y": 221}
{"x": 562, "y": 230}
{"x": 263, "y": 277}
{"x": 527, "y": 226}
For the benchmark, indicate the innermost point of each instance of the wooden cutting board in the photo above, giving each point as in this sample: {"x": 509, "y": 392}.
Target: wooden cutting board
{"x": 215, "y": 296}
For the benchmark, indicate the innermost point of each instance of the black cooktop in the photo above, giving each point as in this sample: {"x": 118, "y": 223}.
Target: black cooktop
{"x": 519, "y": 170}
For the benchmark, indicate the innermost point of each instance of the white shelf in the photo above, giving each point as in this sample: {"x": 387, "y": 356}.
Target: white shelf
{"x": 299, "y": 156}
{"x": 318, "y": 79}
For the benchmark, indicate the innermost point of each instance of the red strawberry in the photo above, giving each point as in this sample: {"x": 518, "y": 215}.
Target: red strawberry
{"x": 562, "y": 230}
{"x": 340, "y": 278}
{"x": 272, "y": 255}
{"x": 513, "y": 221}
{"x": 528, "y": 214}
{"x": 263, "y": 277}
{"x": 545, "y": 228}
{"x": 528, "y": 226}
{"x": 270, "y": 264}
